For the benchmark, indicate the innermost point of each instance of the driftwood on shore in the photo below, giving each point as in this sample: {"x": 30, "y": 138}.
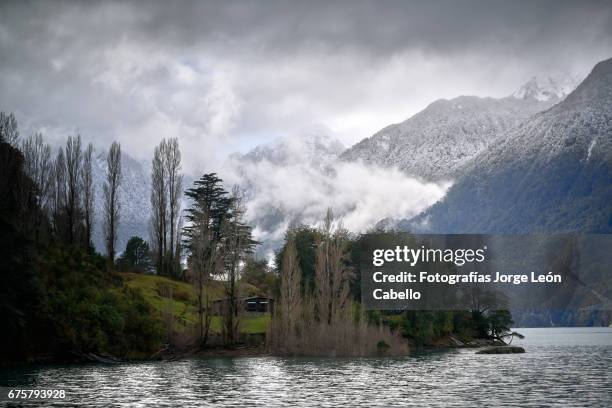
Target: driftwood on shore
{"x": 96, "y": 358}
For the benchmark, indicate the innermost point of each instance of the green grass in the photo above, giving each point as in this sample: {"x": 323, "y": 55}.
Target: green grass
{"x": 151, "y": 287}
{"x": 249, "y": 324}
{"x": 255, "y": 324}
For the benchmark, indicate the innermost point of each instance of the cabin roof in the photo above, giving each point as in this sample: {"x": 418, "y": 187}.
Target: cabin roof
{"x": 246, "y": 298}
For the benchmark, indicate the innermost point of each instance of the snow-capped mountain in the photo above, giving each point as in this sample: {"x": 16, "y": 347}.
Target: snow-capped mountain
{"x": 134, "y": 197}
{"x": 553, "y": 87}
{"x": 438, "y": 142}
{"x": 295, "y": 181}
{"x": 552, "y": 173}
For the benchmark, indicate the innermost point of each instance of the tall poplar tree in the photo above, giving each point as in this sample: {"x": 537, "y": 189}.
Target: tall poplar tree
{"x": 74, "y": 157}
{"x": 111, "y": 198}
{"x": 88, "y": 193}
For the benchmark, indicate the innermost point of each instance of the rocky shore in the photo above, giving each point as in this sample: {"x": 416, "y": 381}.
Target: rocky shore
{"x": 502, "y": 350}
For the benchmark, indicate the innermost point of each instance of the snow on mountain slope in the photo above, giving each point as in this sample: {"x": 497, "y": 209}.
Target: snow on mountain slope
{"x": 438, "y": 142}
{"x": 552, "y": 87}
{"x": 552, "y": 173}
{"x": 134, "y": 196}
{"x": 295, "y": 180}
{"x": 314, "y": 148}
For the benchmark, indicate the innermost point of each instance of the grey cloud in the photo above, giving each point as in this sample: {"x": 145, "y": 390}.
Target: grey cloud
{"x": 217, "y": 73}
{"x": 376, "y": 27}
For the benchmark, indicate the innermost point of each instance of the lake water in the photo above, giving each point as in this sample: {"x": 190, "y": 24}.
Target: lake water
{"x": 562, "y": 367}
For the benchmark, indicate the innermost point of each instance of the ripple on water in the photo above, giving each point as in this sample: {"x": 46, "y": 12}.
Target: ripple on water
{"x": 568, "y": 367}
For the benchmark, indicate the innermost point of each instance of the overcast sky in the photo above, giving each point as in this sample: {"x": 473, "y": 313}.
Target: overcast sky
{"x": 225, "y": 76}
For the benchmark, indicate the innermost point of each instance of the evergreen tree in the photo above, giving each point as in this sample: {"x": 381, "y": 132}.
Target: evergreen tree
{"x": 136, "y": 256}
{"x": 305, "y": 239}
{"x": 203, "y": 240}
{"x": 217, "y": 240}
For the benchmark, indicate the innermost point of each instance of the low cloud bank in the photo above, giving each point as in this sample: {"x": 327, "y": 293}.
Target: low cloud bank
{"x": 299, "y": 192}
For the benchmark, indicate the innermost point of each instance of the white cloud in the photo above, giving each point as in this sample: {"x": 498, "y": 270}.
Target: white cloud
{"x": 222, "y": 105}
{"x": 298, "y": 191}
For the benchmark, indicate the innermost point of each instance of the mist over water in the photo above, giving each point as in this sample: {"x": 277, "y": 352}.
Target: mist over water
{"x": 562, "y": 366}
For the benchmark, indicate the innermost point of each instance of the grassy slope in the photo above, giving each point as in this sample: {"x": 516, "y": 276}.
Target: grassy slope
{"x": 182, "y": 304}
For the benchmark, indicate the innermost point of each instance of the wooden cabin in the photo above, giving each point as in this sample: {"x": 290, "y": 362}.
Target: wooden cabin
{"x": 253, "y": 304}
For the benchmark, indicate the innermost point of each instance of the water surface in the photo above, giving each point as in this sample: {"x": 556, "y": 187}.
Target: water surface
{"x": 562, "y": 367}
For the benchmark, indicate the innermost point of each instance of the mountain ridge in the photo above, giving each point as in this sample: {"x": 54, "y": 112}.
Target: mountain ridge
{"x": 438, "y": 142}
{"x": 552, "y": 173}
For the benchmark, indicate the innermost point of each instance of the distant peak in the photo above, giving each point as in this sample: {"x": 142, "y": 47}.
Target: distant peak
{"x": 304, "y": 147}
{"x": 547, "y": 87}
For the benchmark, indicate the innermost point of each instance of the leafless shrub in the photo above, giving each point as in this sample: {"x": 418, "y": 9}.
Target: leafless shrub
{"x": 327, "y": 323}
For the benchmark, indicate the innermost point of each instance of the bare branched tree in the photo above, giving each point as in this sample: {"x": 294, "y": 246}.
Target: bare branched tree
{"x": 238, "y": 243}
{"x": 204, "y": 256}
{"x": 166, "y": 190}
{"x": 9, "y": 131}
{"x": 322, "y": 271}
{"x": 38, "y": 166}
{"x": 290, "y": 302}
{"x": 88, "y": 193}
{"x": 178, "y": 250}
{"x": 328, "y": 323}
{"x": 111, "y": 198}
{"x": 175, "y": 185}
{"x": 59, "y": 194}
{"x": 159, "y": 205}
{"x": 332, "y": 275}
{"x": 74, "y": 157}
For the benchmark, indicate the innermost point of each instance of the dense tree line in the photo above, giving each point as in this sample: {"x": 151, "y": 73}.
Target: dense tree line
{"x": 53, "y": 210}
{"x": 319, "y": 273}
{"x": 58, "y": 298}
{"x": 63, "y": 186}
{"x": 324, "y": 318}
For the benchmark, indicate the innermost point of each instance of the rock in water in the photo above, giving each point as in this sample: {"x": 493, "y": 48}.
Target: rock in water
{"x": 502, "y": 350}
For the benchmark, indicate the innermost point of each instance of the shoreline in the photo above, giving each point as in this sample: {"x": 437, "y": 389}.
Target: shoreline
{"x": 167, "y": 355}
